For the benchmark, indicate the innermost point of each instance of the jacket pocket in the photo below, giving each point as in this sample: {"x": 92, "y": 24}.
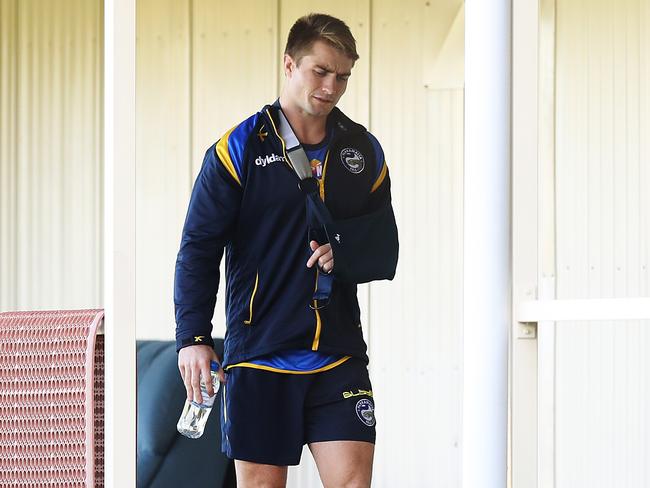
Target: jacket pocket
{"x": 252, "y": 300}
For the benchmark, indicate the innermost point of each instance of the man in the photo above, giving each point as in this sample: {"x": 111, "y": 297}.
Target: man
{"x": 295, "y": 363}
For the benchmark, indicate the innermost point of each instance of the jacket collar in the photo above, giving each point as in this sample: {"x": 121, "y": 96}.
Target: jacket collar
{"x": 336, "y": 120}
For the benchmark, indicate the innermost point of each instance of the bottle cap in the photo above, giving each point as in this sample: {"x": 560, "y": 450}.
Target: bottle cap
{"x": 214, "y": 366}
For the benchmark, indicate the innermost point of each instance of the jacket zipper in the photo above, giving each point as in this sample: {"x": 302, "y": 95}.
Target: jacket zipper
{"x": 321, "y": 182}
{"x": 315, "y": 343}
{"x": 250, "y": 306}
{"x": 319, "y": 323}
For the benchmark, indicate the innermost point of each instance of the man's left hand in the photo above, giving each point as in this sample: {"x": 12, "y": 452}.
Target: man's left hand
{"x": 323, "y": 255}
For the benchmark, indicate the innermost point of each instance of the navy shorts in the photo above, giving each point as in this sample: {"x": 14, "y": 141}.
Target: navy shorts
{"x": 267, "y": 417}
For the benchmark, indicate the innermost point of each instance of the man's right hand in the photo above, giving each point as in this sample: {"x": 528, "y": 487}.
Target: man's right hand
{"x": 194, "y": 363}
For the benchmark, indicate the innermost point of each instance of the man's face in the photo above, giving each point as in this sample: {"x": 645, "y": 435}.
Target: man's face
{"x": 317, "y": 81}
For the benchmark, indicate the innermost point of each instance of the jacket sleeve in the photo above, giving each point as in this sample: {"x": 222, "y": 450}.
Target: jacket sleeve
{"x": 366, "y": 248}
{"x": 211, "y": 215}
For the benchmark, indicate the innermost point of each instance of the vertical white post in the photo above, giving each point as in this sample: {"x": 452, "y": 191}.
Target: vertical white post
{"x": 528, "y": 215}
{"x": 546, "y": 238}
{"x": 546, "y": 393}
{"x": 119, "y": 232}
{"x": 487, "y": 270}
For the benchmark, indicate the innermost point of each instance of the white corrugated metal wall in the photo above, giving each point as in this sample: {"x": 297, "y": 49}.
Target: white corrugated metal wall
{"x": 203, "y": 66}
{"x": 415, "y": 322}
{"x": 602, "y": 239}
{"x": 191, "y": 73}
{"x": 51, "y": 200}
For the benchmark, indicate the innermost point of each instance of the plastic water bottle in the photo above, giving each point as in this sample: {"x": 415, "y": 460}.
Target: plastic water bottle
{"x": 195, "y": 415}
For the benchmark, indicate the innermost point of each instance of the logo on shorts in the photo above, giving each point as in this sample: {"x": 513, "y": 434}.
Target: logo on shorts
{"x": 352, "y": 160}
{"x": 366, "y": 411}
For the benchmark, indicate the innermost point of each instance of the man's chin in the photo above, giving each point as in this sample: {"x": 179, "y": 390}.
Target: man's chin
{"x": 320, "y": 110}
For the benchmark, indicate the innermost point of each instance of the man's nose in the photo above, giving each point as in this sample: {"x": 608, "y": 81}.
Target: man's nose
{"x": 329, "y": 85}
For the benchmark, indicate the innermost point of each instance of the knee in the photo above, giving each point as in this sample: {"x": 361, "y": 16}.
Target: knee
{"x": 251, "y": 475}
{"x": 357, "y": 484}
{"x": 352, "y": 483}
{"x": 268, "y": 484}
{"x": 261, "y": 483}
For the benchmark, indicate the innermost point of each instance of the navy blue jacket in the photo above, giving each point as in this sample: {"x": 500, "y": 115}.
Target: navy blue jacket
{"x": 246, "y": 200}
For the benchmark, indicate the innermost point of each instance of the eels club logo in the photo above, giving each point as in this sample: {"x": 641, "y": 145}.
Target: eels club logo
{"x": 352, "y": 160}
{"x": 366, "y": 411}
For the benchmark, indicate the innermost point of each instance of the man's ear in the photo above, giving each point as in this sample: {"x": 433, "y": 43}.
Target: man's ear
{"x": 289, "y": 65}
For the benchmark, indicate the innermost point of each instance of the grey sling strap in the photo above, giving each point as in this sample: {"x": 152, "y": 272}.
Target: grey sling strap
{"x": 297, "y": 156}
{"x": 316, "y": 210}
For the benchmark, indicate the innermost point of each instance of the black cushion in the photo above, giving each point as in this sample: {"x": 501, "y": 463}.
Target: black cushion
{"x": 166, "y": 459}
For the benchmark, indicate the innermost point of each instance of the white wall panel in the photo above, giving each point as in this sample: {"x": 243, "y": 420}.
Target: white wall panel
{"x": 203, "y": 66}
{"x": 603, "y": 245}
{"x": 163, "y": 170}
{"x": 416, "y": 320}
{"x": 51, "y": 241}
{"x": 233, "y": 65}
{"x": 8, "y": 150}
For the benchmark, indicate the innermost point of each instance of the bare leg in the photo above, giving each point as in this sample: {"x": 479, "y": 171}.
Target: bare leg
{"x": 344, "y": 464}
{"x": 254, "y": 475}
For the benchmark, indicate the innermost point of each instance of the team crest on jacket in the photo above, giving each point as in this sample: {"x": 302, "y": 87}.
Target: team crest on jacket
{"x": 366, "y": 411}
{"x": 352, "y": 160}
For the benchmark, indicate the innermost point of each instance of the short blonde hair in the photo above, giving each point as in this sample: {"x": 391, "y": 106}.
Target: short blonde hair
{"x": 320, "y": 27}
